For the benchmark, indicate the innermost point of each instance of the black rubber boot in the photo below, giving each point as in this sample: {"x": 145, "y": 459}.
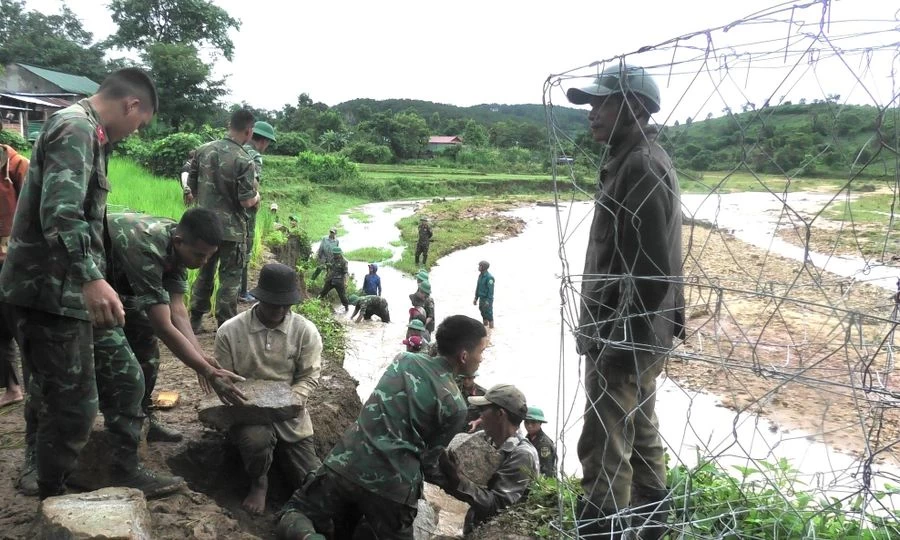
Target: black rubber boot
{"x": 593, "y": 523}
{"x": 159, "y": 432}
{"x": 153, "y": 484}
{"x": 651, "y": 512}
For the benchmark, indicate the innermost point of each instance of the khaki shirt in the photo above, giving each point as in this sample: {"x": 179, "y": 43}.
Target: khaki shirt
{"x": 290, "y": 352}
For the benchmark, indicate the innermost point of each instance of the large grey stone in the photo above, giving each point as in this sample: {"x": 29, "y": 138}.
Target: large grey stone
{"x": 477, "y": 458}
{"x": 105, "y": 514}
{"x": 268, "y": 402}
{"x": 426, "y": 522}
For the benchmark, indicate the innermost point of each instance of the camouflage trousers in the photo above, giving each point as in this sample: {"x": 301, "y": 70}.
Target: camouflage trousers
{"x": 620, "y": 449}
{"x": 75, "y": 370}
{"x": 8, "y": 341}
{"x": 260, "y": 448}
{"x": 335, "y": 507}
{"x": 251, "y": 236}
{"x": 422, "y": 249}
{"x": 229, "y": 261}
{"x": 145, "y": 346}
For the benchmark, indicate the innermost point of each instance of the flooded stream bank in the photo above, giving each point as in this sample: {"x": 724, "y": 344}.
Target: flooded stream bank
{"x": 531, "y": 349}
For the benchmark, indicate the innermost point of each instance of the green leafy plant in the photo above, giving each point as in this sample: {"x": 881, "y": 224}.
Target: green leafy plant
{"x": 11, "y": 138}
{"x": 327, "y": 168}
{"x": 167, "y": 155}
{"x": 333, "y": 333}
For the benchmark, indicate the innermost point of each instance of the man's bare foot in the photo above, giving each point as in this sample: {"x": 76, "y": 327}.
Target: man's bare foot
{"x": 255, "y": 503}
{"x": 12, "y": 395}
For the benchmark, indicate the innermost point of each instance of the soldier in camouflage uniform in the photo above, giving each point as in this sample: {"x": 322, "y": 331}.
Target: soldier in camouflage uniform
{"x": 337, "y": 277}
{"x": 323, "y": 254}
{"x": 263, "y": 134}
{"x": 222, "y": 180}
{"x": 541, "y": 441}
{"x": 424, "y": 240}
{"x": 376, "y": 469}
{"x": 369, "y": 305}
{"x": 185, "y": 172}
{"x": 422, "y": 298}
{"x": 148, "y": 262}
{"x": 53, "y": 274}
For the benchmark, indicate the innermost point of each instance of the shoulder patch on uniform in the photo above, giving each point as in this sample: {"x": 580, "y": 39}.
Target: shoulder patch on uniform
{"x": 545, "y": 452}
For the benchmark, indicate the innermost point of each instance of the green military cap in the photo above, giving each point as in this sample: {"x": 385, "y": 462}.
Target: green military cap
{"x": 337, "y": 250}
{"x": 294, "y": 217}
{"x": 535, "y": 415}
{"x": 505, "y": 396}
{"x": 264, "y": 129}
{"x": 353, "y": 299}
{"x": 425, "y": 287}
{"x": 416, "y": 324}
{"x": 422, "y": 274}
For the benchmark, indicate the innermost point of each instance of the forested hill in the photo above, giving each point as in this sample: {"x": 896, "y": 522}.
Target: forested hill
{"x": 809, "y": 139}
{"x": 572, "y": 121}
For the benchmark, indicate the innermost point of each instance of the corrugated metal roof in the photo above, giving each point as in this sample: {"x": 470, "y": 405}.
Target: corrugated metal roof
{"x": 44, "y": 102}
{"x": 66, "y": 81}
{"x": 444, "y": 139}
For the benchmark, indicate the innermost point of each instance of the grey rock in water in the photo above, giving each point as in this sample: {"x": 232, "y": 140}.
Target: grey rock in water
{"x": 105, "y": 514}
{"x": 267, "y": 402}
{"x": 477, "y": 458}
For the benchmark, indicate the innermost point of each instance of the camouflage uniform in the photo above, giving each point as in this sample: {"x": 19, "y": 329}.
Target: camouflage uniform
{"x": 373, "y": 305}
{"x": 546, "y": 453}
{"x": 144, "y": 270}
{"x": 336, "y": 279}
{"x": 423, "y": 242}
{"x": 56, "y": 246}
{"x": 222, "y": 176}
{"x": 473, "y": 411}
{"x": 428, "y": 304}
{"x": 376, "y": 469}
{"x": 256, "y": 158}
{"x": 323, "y": 255}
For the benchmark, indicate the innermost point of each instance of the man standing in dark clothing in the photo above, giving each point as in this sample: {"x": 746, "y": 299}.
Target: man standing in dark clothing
{"x": 372, "y": 282}
{"x": 541, "y": 441}
{"x": 424, "y": 241}
{"x": 337, "y": 277}
{"x": 632, "y": 306}
{"x": 484, "y": 294}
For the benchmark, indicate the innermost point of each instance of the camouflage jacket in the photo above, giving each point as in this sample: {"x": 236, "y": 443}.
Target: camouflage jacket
{"x": 337, "y": 270}
{"x": 372, "y": 303}
{"x": 425, "y": 234}
{"x": 323, "y": 255}
{"x": 546, "y": 453}
{"x": 57, "y": 239}
{"x": 256, "y": 158}
{"x": 142, "y": 264}
{"x": 222, "y": 176}
{"x": 415, "y": 408}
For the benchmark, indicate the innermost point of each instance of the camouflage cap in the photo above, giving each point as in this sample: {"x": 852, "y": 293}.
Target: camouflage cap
{"x": 506, "y": 396}
{"x": 535, "y": 415}
{"x": 353, "y": 299}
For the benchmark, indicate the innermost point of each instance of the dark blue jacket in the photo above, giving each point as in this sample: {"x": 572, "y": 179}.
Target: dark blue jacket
{"x": 372, "y": 285}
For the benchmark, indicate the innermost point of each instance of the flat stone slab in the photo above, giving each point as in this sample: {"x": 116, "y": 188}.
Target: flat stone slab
{"x": 476, "y": 456}
{"x": 105, "y": 514}
{"x": 268, "y": 402}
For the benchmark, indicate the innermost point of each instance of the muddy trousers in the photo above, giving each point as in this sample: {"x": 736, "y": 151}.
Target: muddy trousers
{"x": 76, "y": 370}
{"x": 423, "y": 251}
{"x": 251, "y": 236}
{"x": 331, "y": 505}
{"x": 8, "y": 351}
{"x": 229, "y": 261}
{"x": 260, "y": 447}
{"x": 383, "y": 314}
{"x": 340, "y": 288}
{"x": 620, "y": 449}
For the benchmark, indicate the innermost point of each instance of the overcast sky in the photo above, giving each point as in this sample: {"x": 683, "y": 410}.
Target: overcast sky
{"x": 463, "y": 52}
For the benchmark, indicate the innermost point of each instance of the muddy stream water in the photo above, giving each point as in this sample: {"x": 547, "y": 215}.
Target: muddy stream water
{"x": 530, "y": 349}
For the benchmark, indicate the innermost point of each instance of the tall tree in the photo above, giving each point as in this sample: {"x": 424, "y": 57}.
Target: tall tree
{"x": 199, "y": 22}
{"x": 57, "y": 42}
{"x": 186, "y": 92}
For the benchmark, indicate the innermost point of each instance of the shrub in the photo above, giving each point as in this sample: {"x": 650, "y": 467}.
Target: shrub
{"x": 327, "y": 168}
{"x": 366, "y": 152}
{"x": 11, "y": 138}
{"x": 135, "y": 148}
{"x": 289, "y": 144}
{"x": 167, "y": 155}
